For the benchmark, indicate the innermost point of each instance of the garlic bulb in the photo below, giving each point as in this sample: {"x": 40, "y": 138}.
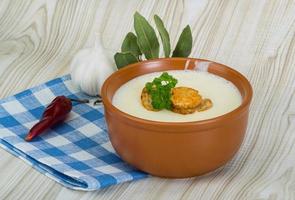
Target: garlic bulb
{"x": 90, "y": 67}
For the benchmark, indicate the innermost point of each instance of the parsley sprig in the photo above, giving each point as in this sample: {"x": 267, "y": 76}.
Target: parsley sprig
{"x": 160, "y": 91}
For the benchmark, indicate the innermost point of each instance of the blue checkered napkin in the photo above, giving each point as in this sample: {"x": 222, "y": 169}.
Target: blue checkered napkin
{"x": 77, "y": 153}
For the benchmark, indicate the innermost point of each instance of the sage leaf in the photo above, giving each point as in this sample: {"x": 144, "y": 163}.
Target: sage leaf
{"x": 184, "y": 45}
{"x": 146, "y": 37}
{"x": 130, "y": 44}
{"x": 164, "y": 35}
{"x": 124, "y": 58}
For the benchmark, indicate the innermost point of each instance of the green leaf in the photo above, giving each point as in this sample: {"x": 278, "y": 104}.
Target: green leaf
{"x": 164, "y": 35}
{"x": 130, "y": 44}
{"x": 184, "y": 44}
{"x": 146, "y": 37}
{"x": 160, "y": 91}
{"x": 124, "y": 58}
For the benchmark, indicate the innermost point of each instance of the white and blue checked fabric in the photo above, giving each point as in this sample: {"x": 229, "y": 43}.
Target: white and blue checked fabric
{"x": 76, "y": 153}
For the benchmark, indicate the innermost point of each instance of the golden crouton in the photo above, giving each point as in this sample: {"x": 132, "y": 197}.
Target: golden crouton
{"x": 146, "y": 100}
{"x": 184, "y": 111}
{"x": 185, "y": 100}
{"x": 205, "y": 105}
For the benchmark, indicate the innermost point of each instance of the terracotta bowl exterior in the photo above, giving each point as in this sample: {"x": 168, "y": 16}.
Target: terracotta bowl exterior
{"x": 176, "y": 149}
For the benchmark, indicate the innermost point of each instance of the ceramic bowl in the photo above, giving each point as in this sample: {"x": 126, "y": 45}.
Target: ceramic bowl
{"x": 176, "y": 149}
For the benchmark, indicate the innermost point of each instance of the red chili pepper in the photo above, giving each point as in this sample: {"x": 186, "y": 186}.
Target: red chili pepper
{"x": 54, "y": 113}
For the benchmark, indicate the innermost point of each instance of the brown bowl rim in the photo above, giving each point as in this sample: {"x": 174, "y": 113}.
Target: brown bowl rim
{"x": 202, "y": 123}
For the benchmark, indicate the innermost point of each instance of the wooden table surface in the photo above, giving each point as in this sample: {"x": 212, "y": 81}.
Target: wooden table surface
{"x": 39, "y": 38}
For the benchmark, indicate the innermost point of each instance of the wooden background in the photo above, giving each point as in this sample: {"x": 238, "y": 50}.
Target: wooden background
{"x": 39, "y": 38}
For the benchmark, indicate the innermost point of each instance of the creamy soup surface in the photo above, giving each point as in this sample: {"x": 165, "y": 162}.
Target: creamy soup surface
{"x": 224, "y": 95}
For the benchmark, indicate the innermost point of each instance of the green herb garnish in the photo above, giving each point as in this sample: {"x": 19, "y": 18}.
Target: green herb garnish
{"x": 160, "y": 91}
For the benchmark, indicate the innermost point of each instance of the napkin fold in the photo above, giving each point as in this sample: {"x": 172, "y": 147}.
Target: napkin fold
{"x": 76, "y": 153}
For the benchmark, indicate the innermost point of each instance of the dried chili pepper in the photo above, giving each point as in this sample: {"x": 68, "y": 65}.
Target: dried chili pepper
{"x": 54, "y": 113}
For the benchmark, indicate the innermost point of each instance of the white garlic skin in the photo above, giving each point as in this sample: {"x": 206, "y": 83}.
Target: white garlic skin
{"x": 89, "y": 69}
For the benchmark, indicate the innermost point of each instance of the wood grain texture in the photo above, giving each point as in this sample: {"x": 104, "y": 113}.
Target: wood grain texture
{"x": 257, "y": 37}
